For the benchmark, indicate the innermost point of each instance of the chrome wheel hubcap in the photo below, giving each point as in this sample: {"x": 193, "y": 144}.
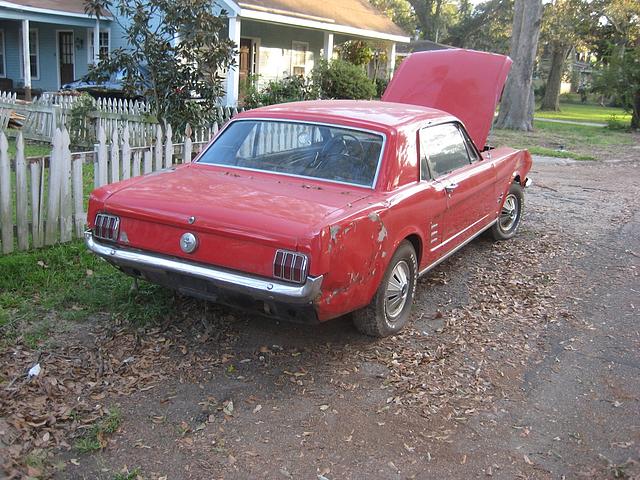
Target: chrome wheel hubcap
{"x": 397, "y": 289}
{"x": 509, "y": 214}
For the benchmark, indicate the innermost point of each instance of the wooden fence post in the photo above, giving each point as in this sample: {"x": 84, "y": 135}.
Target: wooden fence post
{"x": 115, "y": 157}
{"x": 53, "y": 199}
{"x": 103, "y": 161}
{"x": 126, "y": 154}
{"x": 6, "y": 215}
{"x": 188, "y": 145}
{"x": 148, "y": 161}
{"x": 136, "y": 163}
{"x": 168, "y": 146}
{"x": 78, "y": 195}
{"x": 158, "y": 148}
{"x": 22, "y": 221}
{"x": 37, "y": 191}
{"x": 66, "y": 209}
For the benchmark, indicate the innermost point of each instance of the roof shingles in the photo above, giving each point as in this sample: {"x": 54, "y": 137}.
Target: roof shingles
{"x": 351, "y": 13}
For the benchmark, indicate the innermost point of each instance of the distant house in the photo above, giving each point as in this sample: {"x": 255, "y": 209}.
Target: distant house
{"x": 276, "y": 38}
{"x": 47, "y": 43}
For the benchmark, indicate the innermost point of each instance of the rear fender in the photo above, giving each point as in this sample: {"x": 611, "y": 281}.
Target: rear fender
{"x": 359, "y": 250}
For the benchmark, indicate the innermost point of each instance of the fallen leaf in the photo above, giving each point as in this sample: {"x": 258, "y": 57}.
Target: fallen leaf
{"x": 227, "y": 407}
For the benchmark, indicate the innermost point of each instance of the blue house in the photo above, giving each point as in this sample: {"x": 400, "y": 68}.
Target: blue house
{"x": 47, "y": 43}
{"x": 276, "y": 38}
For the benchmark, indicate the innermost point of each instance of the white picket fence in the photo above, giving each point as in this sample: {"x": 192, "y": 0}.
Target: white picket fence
{"x": 42, "y": 200}
{"x": 53, "y": 110}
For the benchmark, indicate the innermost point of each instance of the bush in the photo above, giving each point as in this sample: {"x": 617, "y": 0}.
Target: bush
{"x": 381, "y": 86}
{"x": 615, "y": 123}
{"x": 289, "y": 89}
{"x": 342, "y": 80}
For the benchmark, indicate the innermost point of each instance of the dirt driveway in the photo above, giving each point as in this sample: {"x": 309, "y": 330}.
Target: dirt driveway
{"x": 522, "y": 361}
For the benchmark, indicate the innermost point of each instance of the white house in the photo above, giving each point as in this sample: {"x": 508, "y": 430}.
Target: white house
{"x": 277, "y": 38}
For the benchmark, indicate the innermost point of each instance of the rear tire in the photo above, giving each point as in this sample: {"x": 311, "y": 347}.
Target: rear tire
{"x": 510, "y": 214}
{"x": 390, "y": 308}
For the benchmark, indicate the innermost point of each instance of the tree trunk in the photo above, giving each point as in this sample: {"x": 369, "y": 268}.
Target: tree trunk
{"x": 551, "y": 99}
{"x": 424, "y": 13}
{"x": 515, "y": 109}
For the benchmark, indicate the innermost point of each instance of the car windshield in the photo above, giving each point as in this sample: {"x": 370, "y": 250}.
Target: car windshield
{"x": 304, "y": 149}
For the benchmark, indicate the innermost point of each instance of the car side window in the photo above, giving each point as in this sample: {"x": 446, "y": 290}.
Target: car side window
{"x": 444, "y": 148}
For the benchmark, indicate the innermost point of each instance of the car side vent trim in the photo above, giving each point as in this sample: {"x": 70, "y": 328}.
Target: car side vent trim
{"x": 290, "y": 266}
{"x": 107, "y": 227}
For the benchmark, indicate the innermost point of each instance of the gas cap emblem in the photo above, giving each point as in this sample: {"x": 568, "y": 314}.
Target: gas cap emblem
{"x": 188, "y": 242}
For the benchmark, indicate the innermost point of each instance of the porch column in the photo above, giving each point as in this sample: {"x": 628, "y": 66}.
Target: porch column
{"x": 328, "y": 46}
{"x": 96, "y": 43}
{"x": 26, "y": 60}
{"x": 232, "y": 86}
{"x": 391, "y": 59}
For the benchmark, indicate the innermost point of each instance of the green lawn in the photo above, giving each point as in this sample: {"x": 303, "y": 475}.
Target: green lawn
{"x": 31, "y": 149}
{"x": 565, "y": 140}
{"x": 585, "y": 113}
{"x": 41, "y": 289}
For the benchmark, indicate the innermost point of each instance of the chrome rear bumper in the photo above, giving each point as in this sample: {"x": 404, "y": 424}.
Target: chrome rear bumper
{"x": 227, "y": 280}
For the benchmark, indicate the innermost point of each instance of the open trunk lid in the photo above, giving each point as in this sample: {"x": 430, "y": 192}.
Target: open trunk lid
{"x": 465, "y": 83}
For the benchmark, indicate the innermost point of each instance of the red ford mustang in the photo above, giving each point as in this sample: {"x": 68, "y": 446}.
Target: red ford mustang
{"x": 307, "y": 211}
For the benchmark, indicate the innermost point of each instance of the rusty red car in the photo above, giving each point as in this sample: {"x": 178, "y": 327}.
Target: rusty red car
{"x": 308, "y": 211}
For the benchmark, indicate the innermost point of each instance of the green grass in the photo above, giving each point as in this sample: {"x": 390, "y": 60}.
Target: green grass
{"x": 128, "y": 475}
{"x": 549, "y": 152}
{"x": 93, "y": 439}
{"x": 577, "y": 142}
{"x": 585, "y": 113}
{"x": 42, "y": 289}
{"x": 31, "y": 149}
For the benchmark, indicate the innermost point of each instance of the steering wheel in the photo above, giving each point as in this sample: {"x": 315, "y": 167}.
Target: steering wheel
{"x": 340, "y": 142}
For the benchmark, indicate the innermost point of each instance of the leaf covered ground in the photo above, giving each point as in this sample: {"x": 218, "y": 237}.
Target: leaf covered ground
{"x": 487, "y": 381}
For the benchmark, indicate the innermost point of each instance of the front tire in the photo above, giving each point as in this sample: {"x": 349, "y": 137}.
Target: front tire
{"x": 390, "y": 308}
{"x": 510, "y": 215}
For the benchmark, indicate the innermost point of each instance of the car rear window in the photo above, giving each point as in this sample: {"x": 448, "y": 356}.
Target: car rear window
{"x": 302, "y": 149}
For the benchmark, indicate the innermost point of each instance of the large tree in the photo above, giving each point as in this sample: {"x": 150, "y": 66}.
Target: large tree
{"x": 175, "y": 54}
{"x": 487, "y": 26}
{"x": 566, "y": 24}
{"x": 434, "y": 17}
{"x": 400, "y": 11}
{"x": 518, "y": 103}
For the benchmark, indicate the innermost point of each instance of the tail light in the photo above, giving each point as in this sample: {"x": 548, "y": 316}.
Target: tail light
{"x": 290, "y": 266}
{"x": 106, "y": 227}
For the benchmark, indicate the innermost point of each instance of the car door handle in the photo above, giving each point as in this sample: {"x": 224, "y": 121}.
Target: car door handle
{"x": 449, "y": 188}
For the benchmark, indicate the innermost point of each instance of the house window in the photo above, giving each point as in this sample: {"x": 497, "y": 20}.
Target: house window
{"x": 2, "y": 62}
{"x": 299, "y": 58}
{"x": 34, "y": 54}
{"x": 103, "y": 48}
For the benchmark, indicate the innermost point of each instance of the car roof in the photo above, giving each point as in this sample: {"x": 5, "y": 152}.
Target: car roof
{"x": 369, "y": 112}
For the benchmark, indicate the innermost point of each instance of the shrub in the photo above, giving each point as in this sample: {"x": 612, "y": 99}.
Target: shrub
{"x": 615, "y": 123}
{"x": 381, "y": 86}
{"x": 289, "y": 89}
{"x": 342, "y": 80}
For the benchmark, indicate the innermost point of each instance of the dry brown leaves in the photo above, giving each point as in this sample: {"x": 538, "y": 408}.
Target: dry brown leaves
{"x": 461, "y": 369}
{"x": 47, "y": 411}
